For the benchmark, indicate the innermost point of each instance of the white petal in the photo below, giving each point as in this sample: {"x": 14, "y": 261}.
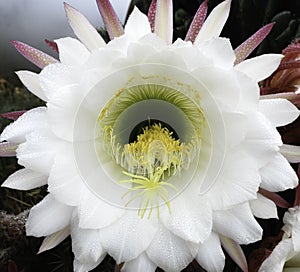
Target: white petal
{"x": 267, "y": 64}
{"x": 236, "y": 127}
{"x": 249, "y": 93}
{"x": 65, "y": 182}
{"x": 261, "y": 129}
{"x": 187, "y": 220}
{"x": 62, "y": 109}
{"x": 56, "y": 77}
{"x": 168, "y": 251}
{"x": 84, "y": 267}
{"x": 278, "y": 175}
{"x": 137, "y": 25}
{"x": 237, "y": 223}
{"x": 220, "y": 50}
{"x": 32, "y": 83}
{"x": 71, "y": 51}
{"x": 279, "y": 111}
{"x": 54, "y": 239}
{"x": 193, "y": 56}
{"x": 26, "y": 123}
{"x": 238, "y": 181}
{"x": 141, "y": 263}
{"x": 210, "y": 254}
{"x": 38, "y": 152}
{"x": 216, "y": 80}
{"x": 263, "y": 207}
{"x": 214, "y": 23}
{"x": 291, "y": 152}
{"x": 94, "y": 213}
{"x": 86, "y": 244}
{"x": 25, "y": 179}
{"x": 47, "y": 217}
{"x": 83, "y": 29}
{"x": 128, "y": 237}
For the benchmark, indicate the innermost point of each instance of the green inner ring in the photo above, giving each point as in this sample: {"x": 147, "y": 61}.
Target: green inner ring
{"x": 126, "y": 98}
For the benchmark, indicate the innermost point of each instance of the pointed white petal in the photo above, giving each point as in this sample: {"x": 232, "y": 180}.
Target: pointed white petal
{"x": 56, "y": 77}
{"x": 65, "y": 182}
{"x": 168, "y": 251}
{"x": 210, "y": 254}
{"x": 84, "y": 267}
{"x": 32, "y": 83}
{"x": 187, "y": 221}
{"x": 86, "y": 244}
{"x": 94, "y": 213}
{"x": 214, "y": 23}
{"x": 216, "y": 80}
{"x": 237, "y": 182}
{"x": 141, "y": 263}
{"x": 220, "y": 50}
{"x": 278, "y": 175}
{"x": 26, "y": 123}
{"x": 291, "y": 152}
{"x": 64, "y": 103}
{"x": 235, "y": 251}
{"x": 263, "y": 207}
{"x": 83, "y": 29}
{"x": 128, "y": 237}
{"x": 54, "y": 239}
{"x": 25, "y": 179}
{"x": 267, "y": 64}
{"x": 279, "y": 111}
{"x": 71, "y": 51}
{"x": 261, "y": 129}
{"x": 137, "y": 25}
{"x": 47, "y": 217}
{"x": 238, "y": 224}
{"x": 236, "y": 127}
{"x": 38, "y": 152}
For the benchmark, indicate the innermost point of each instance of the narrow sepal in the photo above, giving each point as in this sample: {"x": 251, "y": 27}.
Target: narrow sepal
{"x": 247, "y": 47}
{"x": 197, "y": 22}
{"x": 35, "y": 56}
{"x": 235, "y": 251}
{"x": 151, "y": 14}
{"x": 13, "y": 115}
{"x": 8, "y": 149}
{"x": 110, "y": 19}
{"x": 83, "y": 29}
{"x": 278, "y": 200}
{"x": 164, "y": 20}
{"x": 52, "y": 45}
{"x": 291, "y": 152}
{"x": 54, "y": 239}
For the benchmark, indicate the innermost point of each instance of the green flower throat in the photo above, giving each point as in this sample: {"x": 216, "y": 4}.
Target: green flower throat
{"x": 153, "y": 133}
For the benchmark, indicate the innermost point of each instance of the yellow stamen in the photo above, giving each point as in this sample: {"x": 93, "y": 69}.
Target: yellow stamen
{"x": 152, "y": 158}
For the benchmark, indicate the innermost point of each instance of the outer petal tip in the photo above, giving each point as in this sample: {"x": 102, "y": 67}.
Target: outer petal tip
{"x": 36, "y": 56}
{"x": 215, "y": 22}
{"x": 246, "y": 48}
{"x": 110, "y": 18}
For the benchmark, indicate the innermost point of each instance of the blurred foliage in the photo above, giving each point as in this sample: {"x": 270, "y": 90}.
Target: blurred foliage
{"x": 246, "y": 17}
